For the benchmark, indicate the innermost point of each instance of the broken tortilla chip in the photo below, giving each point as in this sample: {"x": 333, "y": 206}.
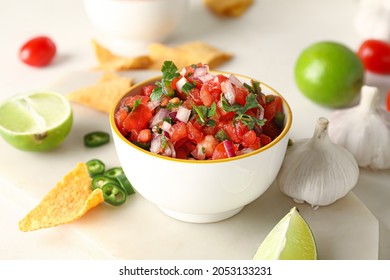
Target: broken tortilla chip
{"x": 228, "y": 8}
{"x": 187, "y": 54}
{"x": 109, "y": 61}
{"x": 68, "y": 201}
{"x": 102, "y": 95}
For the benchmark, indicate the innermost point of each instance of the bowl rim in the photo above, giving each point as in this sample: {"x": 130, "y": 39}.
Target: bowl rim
{"x": 284, "y": 132}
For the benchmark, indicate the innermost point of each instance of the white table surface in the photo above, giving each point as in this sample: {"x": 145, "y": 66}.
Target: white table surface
{"x": 265, "y": 43}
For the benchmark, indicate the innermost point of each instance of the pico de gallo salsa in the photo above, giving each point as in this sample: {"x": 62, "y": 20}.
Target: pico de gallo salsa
{"x": 195, "y": 114}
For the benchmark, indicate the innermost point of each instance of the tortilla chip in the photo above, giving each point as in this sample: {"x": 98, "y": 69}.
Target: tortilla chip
{"x": 102, "y": 95}
{"x": 111, "y": 62}
{"x": 228, "y": 8}
{"x": 68, "y": 201}
{"x": 187, "y": 54}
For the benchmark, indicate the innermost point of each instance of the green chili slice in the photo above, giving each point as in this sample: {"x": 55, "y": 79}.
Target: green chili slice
{"x": 99, "y": 181}
{"x": 114, "y": 194}
{"x": 96, "y": 139}
{"x": 114, "y": 172}
{"x": 125, "y": 183}
{"x": 95, "y": 167}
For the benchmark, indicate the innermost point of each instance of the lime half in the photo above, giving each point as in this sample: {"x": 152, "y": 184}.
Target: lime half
{"x": 37, "y": 121}
{"x": 290, "y": 239}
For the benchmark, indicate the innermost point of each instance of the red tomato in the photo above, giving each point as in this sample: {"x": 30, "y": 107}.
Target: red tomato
{"x": 206, "y": 97}
{"x": 388, "y": 101}
{"x": 120, "y": 116}
{"x": 130, "y": 100}
{"x": 38, "y": 51}
{"x": 178, "y": 131}
{"x": 194, "y": 134}
{"x": 147, "y": 90}
{"x": 138, "y": 119}
{"x": 249, "y": 138}
{"x": 375, "y": 55}
{"x": 272, "y": 107}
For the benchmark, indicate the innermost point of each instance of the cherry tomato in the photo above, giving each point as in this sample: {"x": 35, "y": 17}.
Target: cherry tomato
{"x": 375, "y": 55}
{"x": 38, "y": 51}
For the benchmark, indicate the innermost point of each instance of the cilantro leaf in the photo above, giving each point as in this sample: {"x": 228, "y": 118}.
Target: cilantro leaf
{"x": 169, "y": 73}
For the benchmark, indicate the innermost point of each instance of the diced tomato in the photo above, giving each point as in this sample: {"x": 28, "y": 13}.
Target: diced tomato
{"x": 206, "y": 97}
{"x": 224, "y": 116}
{"x": 147, "y": 90}
{"x": 194, "y": 94}
{"x": 272, "y": 107}
{"x": 256, "y": 144}
{"x": 130, "y": 100}
{"x": 249, "y": 138}
{"x": 264, "y": 139}
{"x": 205, "y": 148}
{"x": 194, "y": 134}
{"x": 120, "y": 116}
{"x": 178, "y": 131}
{"x": 220, "y": 152}
{"x": 138, "y": 119}
{"x": 209, "y": 130}
{"x": 241, "y": 94}
{"x": 144, "y": 136}
{"x": 235, "y": 131}
{"x": 185, "y": 149}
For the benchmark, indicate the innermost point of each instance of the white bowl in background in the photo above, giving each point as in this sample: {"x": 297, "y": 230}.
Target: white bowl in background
{"x": 126, "y": 27}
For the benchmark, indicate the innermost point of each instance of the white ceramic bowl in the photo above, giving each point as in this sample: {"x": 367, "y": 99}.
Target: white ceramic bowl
{"x": 126, "y": 27}
{"x": 201, "y": 191}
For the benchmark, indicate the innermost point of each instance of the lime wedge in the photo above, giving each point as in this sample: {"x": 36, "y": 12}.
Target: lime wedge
{"x": 37, "y": 121}
{"x": 290, "y": 239}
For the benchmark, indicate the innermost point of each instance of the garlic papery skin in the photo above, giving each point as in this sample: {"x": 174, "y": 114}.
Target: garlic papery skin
{"x": 364, "y": 130}
{"x": 372, "y": 20}
{"x": 316, "y": 170}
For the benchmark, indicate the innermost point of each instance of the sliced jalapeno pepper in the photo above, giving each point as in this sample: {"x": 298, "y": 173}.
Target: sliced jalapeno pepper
{"x": 114, "y": 194}
{"x": 96, "y": 139}
{"x": 125, "y": 183}
{"x": 95, "y": 167}
{"x": 114, "y": 172}
{"x": 99, "y": 181}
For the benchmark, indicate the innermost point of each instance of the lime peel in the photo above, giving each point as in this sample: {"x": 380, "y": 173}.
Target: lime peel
{"x": 290, "y": 239}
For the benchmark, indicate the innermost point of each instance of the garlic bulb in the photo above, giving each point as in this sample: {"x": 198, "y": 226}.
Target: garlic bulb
{"x": 372, "y": 20}
{"x": 364, "y": 130}
{"x": 316, "y": 170}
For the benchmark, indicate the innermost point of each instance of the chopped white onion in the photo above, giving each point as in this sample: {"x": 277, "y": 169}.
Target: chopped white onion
{"x": 158, "y": 117}
{"x": 153, "y": 104}
{"x": 228, "y": 91}
{"x": 180, "y": 83}
{"x": 235, "y": 81}
{"x": 183, "y": 114}
{"x": 206, "y": 78}
{"x": 166, "y": 126}
{"x": 155, "y": 145}
{"x": 201, "y": 71}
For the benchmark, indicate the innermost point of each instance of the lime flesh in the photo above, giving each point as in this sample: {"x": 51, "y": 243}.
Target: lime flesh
{"x": 36, "y": 121}
{"x": 329, "y": 74}
{"x": 290, "y": 239}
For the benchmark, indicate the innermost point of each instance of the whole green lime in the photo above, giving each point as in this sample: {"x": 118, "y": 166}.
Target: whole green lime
{"x": 329, "y": 73}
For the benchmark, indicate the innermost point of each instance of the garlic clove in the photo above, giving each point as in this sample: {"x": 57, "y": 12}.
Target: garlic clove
{"x": 316, "y": 170}
{"x": 364, "y": 130}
